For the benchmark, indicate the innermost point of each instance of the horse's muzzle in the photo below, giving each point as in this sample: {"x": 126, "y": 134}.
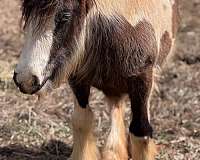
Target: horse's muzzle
{"x": 30, "y": 86}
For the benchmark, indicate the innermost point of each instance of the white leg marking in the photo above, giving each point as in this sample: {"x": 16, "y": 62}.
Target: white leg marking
{"x": 116, "y": 146}
{"x": 84, "y": 141}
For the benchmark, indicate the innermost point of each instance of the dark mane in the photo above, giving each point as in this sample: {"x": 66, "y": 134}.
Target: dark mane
{"x": 37, "y": 9}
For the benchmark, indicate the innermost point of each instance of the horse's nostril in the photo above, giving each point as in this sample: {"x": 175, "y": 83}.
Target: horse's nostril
{"x": 35, "y": 81}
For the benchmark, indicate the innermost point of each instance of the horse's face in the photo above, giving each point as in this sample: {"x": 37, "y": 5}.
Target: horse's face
{"x": 52, "y": 28}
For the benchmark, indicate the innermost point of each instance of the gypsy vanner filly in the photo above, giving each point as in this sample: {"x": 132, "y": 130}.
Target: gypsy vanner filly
{"x": 113, "y": 45}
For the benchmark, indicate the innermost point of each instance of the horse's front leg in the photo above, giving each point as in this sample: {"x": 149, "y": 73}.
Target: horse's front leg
{"x": 82, "y": 121}
{"x": 116, "y": 145}
{"x": 141, "y": 143}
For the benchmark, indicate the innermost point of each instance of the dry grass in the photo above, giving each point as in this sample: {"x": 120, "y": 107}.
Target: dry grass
{"x": 30, "y": 130}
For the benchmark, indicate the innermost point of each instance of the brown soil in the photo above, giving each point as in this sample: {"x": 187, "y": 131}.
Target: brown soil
{"x": 31, "y": 130}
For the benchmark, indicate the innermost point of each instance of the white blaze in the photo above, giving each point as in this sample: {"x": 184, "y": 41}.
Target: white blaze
{"x": 35, "y": 54}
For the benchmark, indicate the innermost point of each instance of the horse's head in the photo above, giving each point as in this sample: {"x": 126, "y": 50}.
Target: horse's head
{"x": 54, "y": 31}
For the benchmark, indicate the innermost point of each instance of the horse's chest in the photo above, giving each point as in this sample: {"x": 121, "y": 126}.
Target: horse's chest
{"x": 112, "y": 84}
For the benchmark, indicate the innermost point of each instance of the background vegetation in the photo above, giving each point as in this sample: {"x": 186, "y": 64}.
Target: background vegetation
{"x": 31, "y": 130}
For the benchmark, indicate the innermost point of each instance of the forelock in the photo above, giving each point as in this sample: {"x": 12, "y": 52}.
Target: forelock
{"x": 39, "y": 10}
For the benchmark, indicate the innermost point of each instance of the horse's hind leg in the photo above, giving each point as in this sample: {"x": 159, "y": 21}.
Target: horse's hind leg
{"x": 84, "y": 147}
{"x": 140, "y": 138}
{"x": 116, "y": 146}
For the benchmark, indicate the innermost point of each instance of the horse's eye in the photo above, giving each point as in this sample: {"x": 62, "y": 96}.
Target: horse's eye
{"x": 63, "y": 17}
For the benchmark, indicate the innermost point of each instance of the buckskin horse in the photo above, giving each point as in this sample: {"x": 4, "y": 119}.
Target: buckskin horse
{"x": 113, "y": 45}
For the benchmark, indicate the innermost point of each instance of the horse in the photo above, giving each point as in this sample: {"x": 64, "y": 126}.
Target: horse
{"x": 112, "y": 45}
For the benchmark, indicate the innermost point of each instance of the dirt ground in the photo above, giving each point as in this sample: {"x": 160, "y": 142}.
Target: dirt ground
{"x": 32, "y": 130}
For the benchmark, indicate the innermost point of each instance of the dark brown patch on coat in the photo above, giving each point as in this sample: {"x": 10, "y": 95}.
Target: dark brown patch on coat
{"x": 116, "y": 51}
{"x": 81, "y": 91}
{"x": 119, "y": 59}
{"x": 139, "y": 93}
{"x": 165, "y": 47}
{"x": 175, "y": 17}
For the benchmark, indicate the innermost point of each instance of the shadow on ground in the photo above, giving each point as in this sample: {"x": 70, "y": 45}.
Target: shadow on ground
{"x": 53, "y": 150}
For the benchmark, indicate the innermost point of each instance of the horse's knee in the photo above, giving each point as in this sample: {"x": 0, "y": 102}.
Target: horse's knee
{"x": 141, "y": 128}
